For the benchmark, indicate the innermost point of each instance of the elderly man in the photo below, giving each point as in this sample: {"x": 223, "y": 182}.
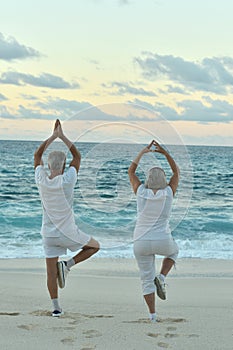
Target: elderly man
{"x": 59, "y": 231}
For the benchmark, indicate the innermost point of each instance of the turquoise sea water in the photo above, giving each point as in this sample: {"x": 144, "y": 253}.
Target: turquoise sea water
{"x": 105, "y": 206}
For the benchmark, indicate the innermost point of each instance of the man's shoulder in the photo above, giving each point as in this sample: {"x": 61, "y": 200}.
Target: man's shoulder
{"x": 39, "y": 168}
{"x": 70, "y": 175}
{"x": 40, "y": 173}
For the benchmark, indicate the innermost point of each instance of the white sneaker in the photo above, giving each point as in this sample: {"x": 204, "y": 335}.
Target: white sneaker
{"x": 62, "y": 272}
{"x": 160, "y": 285}
{"x": 57, "y": 313}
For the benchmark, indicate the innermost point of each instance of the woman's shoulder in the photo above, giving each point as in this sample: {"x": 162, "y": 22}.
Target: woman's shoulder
{"x": 145, "y": 192}
{"x": 168, "y": 190}
{"x": 141, "y": 189}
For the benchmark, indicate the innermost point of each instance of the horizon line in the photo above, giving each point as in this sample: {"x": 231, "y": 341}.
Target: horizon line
{"x": 197, "y": 145}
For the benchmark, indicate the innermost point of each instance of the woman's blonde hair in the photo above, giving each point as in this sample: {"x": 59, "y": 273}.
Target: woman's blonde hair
{"x": 56, "y": 160}
{"x": 156, "y": 179}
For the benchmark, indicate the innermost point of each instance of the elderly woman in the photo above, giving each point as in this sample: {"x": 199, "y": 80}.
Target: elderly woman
{"x": 152, "y": 234}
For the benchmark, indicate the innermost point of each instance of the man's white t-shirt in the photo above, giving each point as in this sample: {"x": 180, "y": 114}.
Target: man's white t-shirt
{"x": 57, "y": 201}
{"x": 153, "y": 213}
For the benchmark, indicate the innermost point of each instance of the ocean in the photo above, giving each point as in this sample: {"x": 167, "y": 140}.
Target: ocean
{"x": 105, "y": 206}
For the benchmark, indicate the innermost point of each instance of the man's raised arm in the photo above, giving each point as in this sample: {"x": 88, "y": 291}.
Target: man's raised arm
{"x": 39, "y": 152}
{"x": 74, "y": 151}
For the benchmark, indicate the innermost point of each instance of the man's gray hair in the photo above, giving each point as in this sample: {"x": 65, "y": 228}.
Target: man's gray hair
{"x": 56, "y": 160}
{"x": 156, "y": 179}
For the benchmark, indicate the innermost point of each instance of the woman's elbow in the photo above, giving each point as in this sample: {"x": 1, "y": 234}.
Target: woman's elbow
{"x": 130, "y": 171}
{"x": 36, "y": 155}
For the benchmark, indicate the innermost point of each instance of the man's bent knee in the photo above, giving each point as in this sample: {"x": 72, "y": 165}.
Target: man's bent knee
{"x": 93, "y": 244}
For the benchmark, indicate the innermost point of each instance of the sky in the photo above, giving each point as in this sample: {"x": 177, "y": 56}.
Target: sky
{"x": 128, "y": 70}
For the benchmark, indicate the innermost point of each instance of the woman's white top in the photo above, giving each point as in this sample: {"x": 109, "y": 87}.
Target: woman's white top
{"x": 153, "y": 213}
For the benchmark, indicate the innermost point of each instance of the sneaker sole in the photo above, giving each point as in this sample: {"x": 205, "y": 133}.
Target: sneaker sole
{"x": 60, "y": 274}
{"x": 58, "y": 315}
{"x": 160, "y": 291}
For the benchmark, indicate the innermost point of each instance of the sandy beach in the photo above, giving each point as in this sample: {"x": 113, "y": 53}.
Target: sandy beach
{"x": 104, "y": 308}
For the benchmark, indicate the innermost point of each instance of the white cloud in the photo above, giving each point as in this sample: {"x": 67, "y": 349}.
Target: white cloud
{"x": 173, "y": 89}
{"x": 202, "y": 111}
{"x": 211, "y": 74}
{"x": 43, "y": 80}
{"x": 65, "y": 107}
{"x": 11, "y": 49}
{"x": 55, "y": 108}
{"x": 29, "y": 97}
{"x": 192, "y": 110}
{"x": 2, "y": 97}
{"x": 126, "y": 88}
{"x": 4, "y": 113}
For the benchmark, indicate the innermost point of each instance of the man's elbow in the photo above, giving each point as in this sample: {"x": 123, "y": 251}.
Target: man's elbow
{"x": 129, "y": 171}
{"x": 77, "y": 158}
{"x": 35, "y": 155}
{"x": 77, "y": 155}
{"x": 38, "y": 153}
{"x": 177, "y": 172}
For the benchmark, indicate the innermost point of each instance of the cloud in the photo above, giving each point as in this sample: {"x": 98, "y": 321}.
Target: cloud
{"x": 125, "y": 88}
{"x": 203, "y": 111}
{"x": 57, "y": 108}
{"x": 173, "y": 89}
{"x": 4, "y": 113}
{"x": 214, "y": 111}
{"x": 77, "y": 110}
{"x": 43, "y": 80}
{"x": 62, "y": 106}
{"x": 10, "y": 49}
{"x": 211, "y": 74}
{"x": 192, "y": 110}
{"x": 29, "y": 97}
{"x": 54, "y": 108}
{"x": 25, "y": 113}
{"x": 94, "y": 63}
{"x": 3, "y": 98}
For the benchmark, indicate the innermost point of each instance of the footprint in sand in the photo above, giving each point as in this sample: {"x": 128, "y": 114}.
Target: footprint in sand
{"x": 193, "y": 335}
{"x": 163, "y": 345}
{"x": 68, "y": 328}
{"x": 97, "y": 316}
{"x": 171, "y": 335}
{"x": 28, "y": 327}
{"x": 173, "y": 320}
{"x": 171, "y": 328}
{"x": 9, "y": 313}
{"x": 74, "y": 322}
{"x": 141, "y": 320}
{"x": 67, "y": 341}
{"x": 40, "y": 313}
{"x": 63, "y": 328}
{"x": 153, "y": 335}
{"x": 92, "y": 333}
